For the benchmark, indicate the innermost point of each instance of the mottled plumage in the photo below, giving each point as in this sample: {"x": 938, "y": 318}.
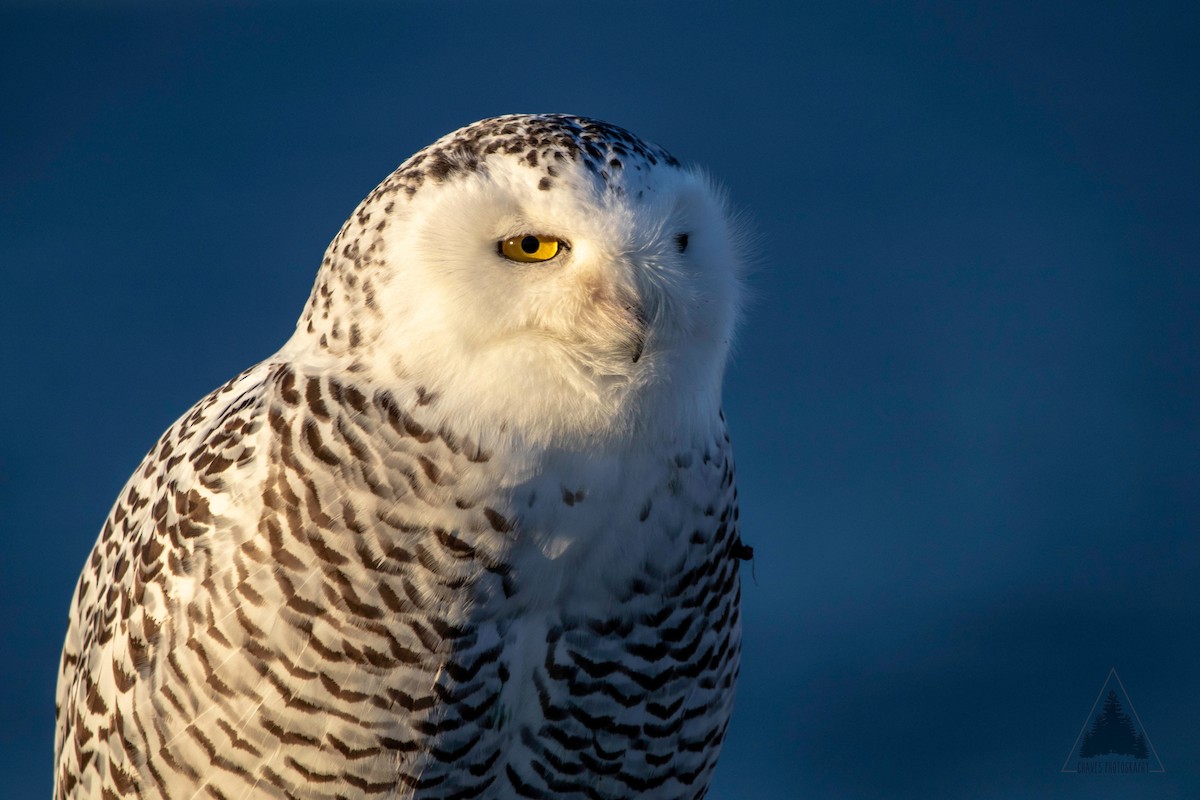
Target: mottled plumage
{"x": 472, "y": 532}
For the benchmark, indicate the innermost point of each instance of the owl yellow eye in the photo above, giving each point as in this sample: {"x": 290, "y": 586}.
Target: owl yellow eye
{"x": 530, "y": 248}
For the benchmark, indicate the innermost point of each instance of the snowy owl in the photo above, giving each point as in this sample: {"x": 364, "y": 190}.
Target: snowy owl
{"x": 473, "y": 530}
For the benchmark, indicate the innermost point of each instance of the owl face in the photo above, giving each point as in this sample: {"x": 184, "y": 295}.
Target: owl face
{"x": 568, "y": 296}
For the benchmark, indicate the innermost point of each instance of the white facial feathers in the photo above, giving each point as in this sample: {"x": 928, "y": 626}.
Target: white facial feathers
{"x": 634, "y": 313}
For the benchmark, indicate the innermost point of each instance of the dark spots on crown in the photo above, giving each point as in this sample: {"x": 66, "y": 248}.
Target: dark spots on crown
{"x": 544, "y": 184}
{"x": 453, "y": 161}
{"x": 441, "y": 168}
{"x": 541, "y": 141}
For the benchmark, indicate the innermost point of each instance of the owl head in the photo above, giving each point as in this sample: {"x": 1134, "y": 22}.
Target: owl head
{"x": 550, "y": 276}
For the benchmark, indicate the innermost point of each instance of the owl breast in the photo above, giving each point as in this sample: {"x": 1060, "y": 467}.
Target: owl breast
{"x": 431, "y": 618}
{"x": 576, "y": 619}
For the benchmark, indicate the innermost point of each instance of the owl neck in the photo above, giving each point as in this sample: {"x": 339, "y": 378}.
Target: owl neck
{"x": 505, "y": 409}
{"x": 342, "y": 318}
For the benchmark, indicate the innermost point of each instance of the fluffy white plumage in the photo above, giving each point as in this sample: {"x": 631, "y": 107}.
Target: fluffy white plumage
{"x": 472, "y": 532}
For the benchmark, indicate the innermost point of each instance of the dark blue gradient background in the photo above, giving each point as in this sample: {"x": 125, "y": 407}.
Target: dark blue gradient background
{"x": 966, "y": 399}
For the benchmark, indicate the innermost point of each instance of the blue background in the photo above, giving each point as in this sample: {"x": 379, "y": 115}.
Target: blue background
{"x": 966, "y": 399}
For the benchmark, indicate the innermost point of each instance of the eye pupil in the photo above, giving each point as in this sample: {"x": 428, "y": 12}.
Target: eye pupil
{"x": 531, "y": 248}
{"x": 681, "y": 241}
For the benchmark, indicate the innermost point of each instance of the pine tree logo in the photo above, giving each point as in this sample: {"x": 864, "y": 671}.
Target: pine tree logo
{"x": 1113, "y": 739}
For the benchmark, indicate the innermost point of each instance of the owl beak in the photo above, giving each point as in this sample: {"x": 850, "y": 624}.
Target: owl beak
{"x": 640, "y": 330}
{"x": 639, "y": 344}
